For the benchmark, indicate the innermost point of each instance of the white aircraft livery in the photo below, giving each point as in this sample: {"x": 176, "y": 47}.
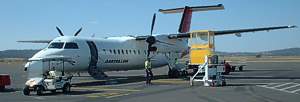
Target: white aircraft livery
{"x": 98, "y": 55}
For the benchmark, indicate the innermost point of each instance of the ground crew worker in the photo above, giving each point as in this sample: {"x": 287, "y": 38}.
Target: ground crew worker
{"x": 148, "y": 69}
{"x": 227, "y": 67}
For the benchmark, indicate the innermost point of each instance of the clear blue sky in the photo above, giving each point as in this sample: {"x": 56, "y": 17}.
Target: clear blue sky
{"x": 36, "y": 20}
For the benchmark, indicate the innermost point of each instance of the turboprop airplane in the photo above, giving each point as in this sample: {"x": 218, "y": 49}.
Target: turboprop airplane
{"x": 98, "y": 55}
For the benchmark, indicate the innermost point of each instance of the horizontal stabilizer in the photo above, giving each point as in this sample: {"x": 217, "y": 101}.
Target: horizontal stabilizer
{"x": 194, "y": 9}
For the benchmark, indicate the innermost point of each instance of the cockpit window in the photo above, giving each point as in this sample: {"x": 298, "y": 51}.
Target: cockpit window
{"x": 71, "y": 45}
{"x": 56, "y": 45}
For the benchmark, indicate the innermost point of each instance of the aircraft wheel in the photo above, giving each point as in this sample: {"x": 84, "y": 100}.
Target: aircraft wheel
{"x": 39, "y": 90}
{"x": 173, "y": 73}
{"x": 26, "y": 90}
{"x": 170, "y": 73}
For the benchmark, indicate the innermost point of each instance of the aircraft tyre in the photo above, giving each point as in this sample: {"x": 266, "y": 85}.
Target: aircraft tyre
{"x": 173, "y": 73}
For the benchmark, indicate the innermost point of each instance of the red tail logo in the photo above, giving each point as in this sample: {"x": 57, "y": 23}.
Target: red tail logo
{"x": 186, "y": 20}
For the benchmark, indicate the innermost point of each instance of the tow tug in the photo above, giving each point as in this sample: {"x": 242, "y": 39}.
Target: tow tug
{"x": 51, "y": 78}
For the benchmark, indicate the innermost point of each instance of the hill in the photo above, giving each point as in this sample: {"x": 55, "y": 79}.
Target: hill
{"x": 280, "y": 52}
{"x": 17, "y": 53}
{"x": 283, "y": 52}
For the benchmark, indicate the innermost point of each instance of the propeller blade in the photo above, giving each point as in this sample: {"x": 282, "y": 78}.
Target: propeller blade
{"x": 78, "y": 32}
{"x": 59, "y": 31}
{"x": 151, "y": 39}
{"x": 153, "y": 22}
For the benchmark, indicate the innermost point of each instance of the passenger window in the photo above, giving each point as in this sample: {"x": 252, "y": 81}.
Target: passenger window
{"x": 71, "y": 45}
{"x": 122, "y": 51}
{"x": 118, "y": 51}
{"x": 126, "y": 51}
{"x": 134, "y": 52}
{"x": 130, "y": 51}
{"x": 115, "y": 51}
{"x": 104, "y": 51}
{"x": 56, "y": 45}
{"x": 139, "y": 52}
{"x": 110, "y": 51}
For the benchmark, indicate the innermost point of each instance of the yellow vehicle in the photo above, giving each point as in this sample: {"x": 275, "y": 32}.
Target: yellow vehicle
{"x": 202, "y": 45}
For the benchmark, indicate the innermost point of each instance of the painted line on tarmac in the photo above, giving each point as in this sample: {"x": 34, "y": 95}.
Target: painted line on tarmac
{"x": 290, "y": 87}
{"x": 284, "y": 89}
{"x": 113, "y": 96}
{"x": 39, "y": 98}
{"x": 107, "y": 95}
{"x": 105, "y": 89}
{"x": 277, "y": 86}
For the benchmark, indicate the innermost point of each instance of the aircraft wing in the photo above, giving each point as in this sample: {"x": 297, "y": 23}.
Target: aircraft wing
{"x": 35, "y": 41}
{"x": 223, "y": 32}
{"x": 238, "y": 31}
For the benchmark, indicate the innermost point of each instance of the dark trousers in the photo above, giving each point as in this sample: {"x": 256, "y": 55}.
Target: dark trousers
{"x": 149, "y": 76}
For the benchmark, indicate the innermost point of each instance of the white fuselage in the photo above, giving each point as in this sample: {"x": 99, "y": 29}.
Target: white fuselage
{"x": 111, "y": 54}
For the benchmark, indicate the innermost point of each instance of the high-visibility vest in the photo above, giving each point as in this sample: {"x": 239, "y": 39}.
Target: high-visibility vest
{"x": 147, "y": 64}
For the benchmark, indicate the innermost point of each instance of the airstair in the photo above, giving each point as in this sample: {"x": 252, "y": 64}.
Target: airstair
{"x": 212, "y": 73}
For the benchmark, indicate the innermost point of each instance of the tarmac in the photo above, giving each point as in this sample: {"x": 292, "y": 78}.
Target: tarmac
{"x": 260, "y": 81}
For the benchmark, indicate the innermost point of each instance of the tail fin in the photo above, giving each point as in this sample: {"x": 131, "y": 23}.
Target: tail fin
{"x": 187, "y": 14}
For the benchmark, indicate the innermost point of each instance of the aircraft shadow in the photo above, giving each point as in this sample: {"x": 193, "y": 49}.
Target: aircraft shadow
{"x": 259, "y": 70}
{"x": 8, "y": 90}
{"x": 73, "y": 92}
{"x": 115, "y": 80}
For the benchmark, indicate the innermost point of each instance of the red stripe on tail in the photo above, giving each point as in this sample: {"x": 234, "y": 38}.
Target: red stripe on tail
{"x": 185, "y": 20}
